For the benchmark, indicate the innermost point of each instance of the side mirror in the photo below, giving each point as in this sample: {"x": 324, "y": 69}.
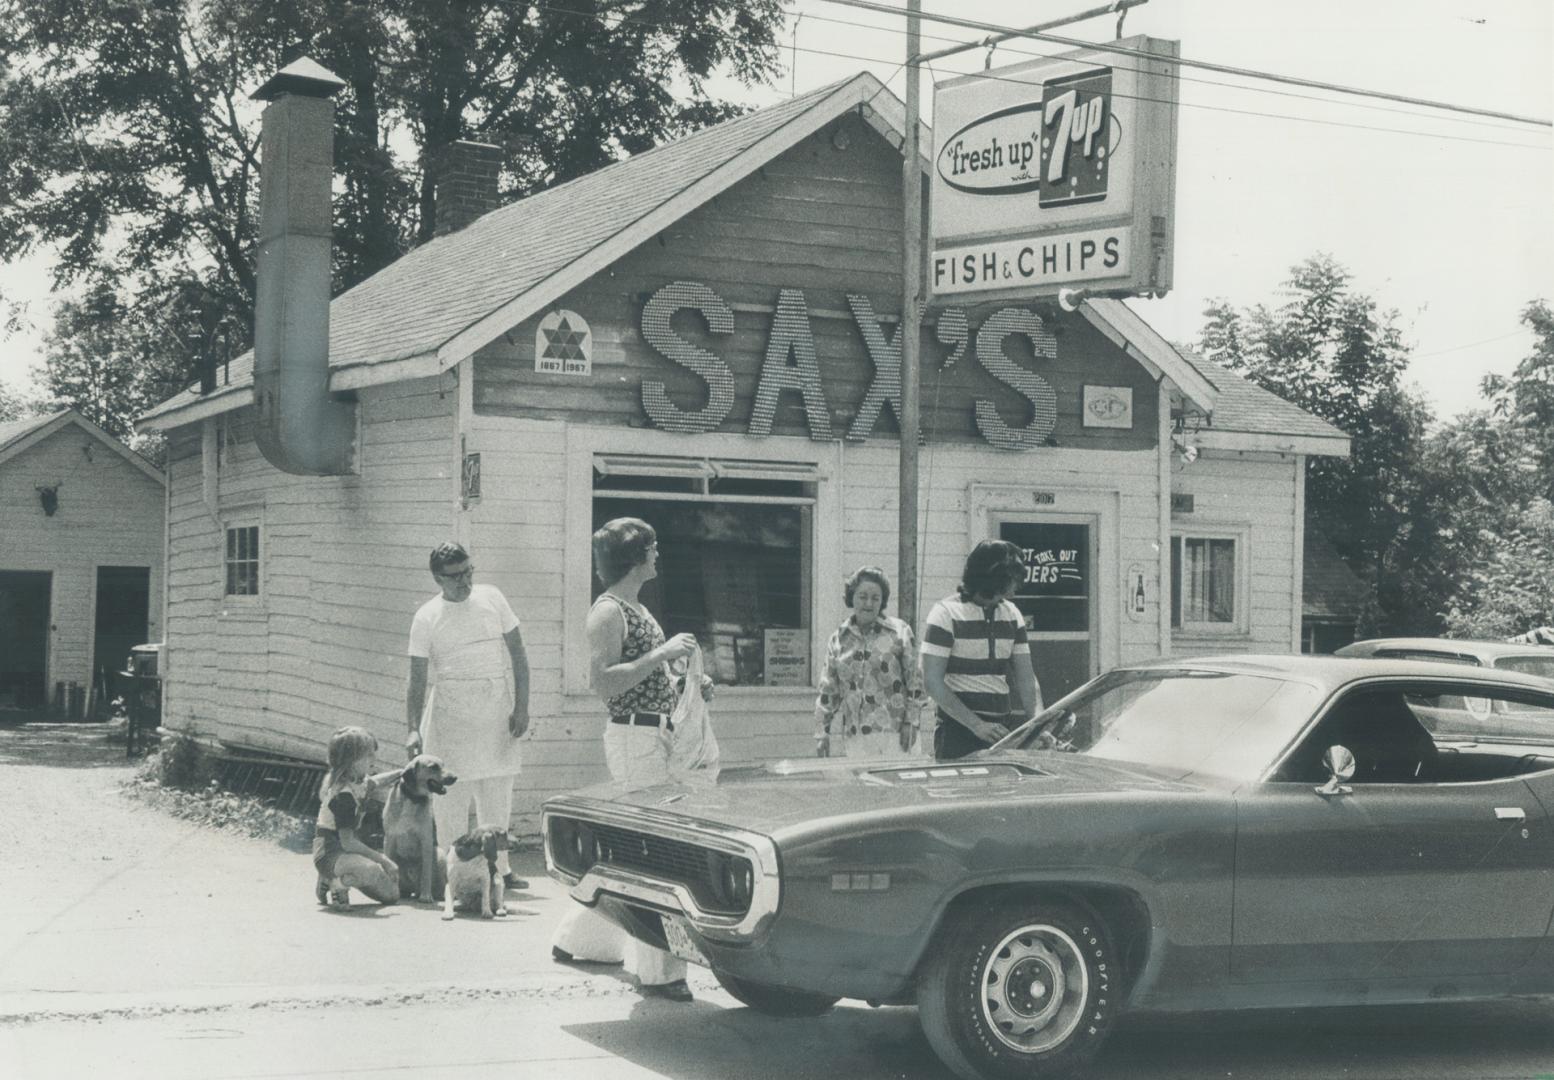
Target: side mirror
{"x": 1339, "y": 763}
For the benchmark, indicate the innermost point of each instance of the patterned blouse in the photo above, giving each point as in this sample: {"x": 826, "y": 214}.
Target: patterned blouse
{"x": 643, "y": 634}
{"x": 871, "y": 679}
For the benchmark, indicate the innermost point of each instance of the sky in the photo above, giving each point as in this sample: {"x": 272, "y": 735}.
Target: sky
{"x": 1446, "y": 218}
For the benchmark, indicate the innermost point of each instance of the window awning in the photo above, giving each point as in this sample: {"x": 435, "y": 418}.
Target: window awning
{"x": 683, "y": 468}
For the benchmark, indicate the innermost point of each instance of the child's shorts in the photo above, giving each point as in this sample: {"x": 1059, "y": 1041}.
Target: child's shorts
{"x": 326, "y": 850}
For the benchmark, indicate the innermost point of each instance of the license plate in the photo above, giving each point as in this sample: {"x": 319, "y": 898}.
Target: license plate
{"x": 677, "y": 932}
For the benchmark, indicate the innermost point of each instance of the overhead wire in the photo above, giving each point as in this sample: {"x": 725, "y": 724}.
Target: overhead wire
{"x": 1200, "y": 106}
{"x": 1177, "y": 76}
{"x": 1228, "y": 69}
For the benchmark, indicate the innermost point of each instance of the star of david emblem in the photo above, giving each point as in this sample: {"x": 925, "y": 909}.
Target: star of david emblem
{"x": 564, "y": 343}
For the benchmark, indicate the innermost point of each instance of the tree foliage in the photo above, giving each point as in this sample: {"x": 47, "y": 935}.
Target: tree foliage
{"x": 129, "y": 145}
{"x": 1494, "y": 473}
{"x": 1328, "y": 349}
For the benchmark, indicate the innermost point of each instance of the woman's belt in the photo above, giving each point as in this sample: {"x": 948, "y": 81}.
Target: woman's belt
{"x": 643, "y": 719}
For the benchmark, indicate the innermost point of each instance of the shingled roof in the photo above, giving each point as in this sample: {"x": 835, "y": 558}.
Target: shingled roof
{"x": 1244, "y": 408}
{"x": 440, "y": 302}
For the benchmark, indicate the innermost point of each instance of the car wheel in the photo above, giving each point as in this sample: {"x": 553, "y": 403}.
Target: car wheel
{"x": 1018, "y": 989}
{"x": 774, "y": 1000}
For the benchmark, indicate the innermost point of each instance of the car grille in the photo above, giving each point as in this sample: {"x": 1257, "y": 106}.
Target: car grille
{"x": 719, "y": 881}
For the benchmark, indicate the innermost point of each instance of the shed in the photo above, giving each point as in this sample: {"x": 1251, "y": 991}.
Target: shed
{"x": 81, "y": 556}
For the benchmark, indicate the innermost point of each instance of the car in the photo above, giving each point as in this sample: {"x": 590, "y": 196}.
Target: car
{"x": 1508, "y": 656}
{"x": 1448, "y": 718}
{"x": 1185, "y": 834}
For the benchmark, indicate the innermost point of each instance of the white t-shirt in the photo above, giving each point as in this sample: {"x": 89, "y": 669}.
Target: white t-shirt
{"x": 464, "y": 640}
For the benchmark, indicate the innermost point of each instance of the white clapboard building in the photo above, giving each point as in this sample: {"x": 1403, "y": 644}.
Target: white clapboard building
{"x": 696, "y": 336}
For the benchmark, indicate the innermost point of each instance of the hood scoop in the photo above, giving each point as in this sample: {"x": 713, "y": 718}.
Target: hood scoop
{"x": 991, "y": 772}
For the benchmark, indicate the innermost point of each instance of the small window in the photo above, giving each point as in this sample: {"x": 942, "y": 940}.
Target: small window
{"x": 1204, "y": 583}
{"x": 736, "y": 557}
{"x": 242, "y": 560}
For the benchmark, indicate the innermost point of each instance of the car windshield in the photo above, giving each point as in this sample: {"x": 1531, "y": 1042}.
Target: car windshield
{"x": 1179, "y": 719}
{"x": 1541, "y": 666}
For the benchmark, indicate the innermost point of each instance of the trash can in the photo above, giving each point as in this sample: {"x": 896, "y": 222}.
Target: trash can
{"x": 143, "y": 696}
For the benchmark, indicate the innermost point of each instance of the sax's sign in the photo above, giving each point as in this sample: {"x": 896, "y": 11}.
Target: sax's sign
{"x": 1059, "y": 173}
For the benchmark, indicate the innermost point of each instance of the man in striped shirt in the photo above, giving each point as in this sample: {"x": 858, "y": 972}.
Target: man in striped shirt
{"x": 976, "y": 659}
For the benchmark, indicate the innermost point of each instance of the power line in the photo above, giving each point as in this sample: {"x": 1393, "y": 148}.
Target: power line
{"x": 557, "y": 9}
{"x": 1178, "y": 76}
{"x": 1224, "y": 69}
{"x": 1213, "y": 108}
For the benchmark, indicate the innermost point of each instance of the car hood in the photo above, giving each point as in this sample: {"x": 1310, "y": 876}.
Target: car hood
{"x": 779, "y": 795}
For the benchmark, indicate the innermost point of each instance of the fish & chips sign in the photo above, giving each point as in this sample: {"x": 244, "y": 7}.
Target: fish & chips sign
{"x": 1056, "y": 173}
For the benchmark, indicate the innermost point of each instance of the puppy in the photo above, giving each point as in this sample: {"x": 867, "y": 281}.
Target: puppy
{"x": 410, "y": 835}
{"x": 473, "y": 881}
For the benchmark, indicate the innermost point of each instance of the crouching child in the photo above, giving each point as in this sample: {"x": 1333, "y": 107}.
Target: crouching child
{"x": 344, "y": 861}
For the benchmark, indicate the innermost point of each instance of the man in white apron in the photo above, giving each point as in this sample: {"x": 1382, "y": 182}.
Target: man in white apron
{"x": 478, "y": 705}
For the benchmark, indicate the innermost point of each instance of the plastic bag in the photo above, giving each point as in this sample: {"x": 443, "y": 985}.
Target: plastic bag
{"x": 693, "y": 755}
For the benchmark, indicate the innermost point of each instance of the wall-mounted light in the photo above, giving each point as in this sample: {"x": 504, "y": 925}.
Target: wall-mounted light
{"x": 1070, "y": 299}
{"x": 48, "y": 496}
{"x": 1184, "y": 449}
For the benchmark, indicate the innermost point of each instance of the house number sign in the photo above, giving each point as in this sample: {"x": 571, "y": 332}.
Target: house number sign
{"x": 791, "y": 339}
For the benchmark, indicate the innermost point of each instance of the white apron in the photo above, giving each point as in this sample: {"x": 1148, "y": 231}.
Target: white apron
{"x": 465, "y": 724}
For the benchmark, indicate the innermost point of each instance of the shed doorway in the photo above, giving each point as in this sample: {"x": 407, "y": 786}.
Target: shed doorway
{"x": 123, "y": 620}
{"x": 24, "y": 632}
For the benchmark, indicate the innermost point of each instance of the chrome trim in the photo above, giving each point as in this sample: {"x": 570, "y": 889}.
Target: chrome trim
{"x": 766, "y": 891}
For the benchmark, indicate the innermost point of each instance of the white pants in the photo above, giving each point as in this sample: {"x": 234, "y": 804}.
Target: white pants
{"x": 492, "y": 798}
{"x": 637, "y": 757}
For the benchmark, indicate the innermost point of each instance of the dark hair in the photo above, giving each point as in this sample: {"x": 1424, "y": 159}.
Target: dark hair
{"x": 867, "y": 573}
{"x": 620, "y": 546}
{"x": 444, "y": 555}
{"x": 992, "y": 567}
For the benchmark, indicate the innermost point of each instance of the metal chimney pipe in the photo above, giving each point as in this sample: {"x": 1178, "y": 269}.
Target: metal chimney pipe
{"x": 300, "y": 429}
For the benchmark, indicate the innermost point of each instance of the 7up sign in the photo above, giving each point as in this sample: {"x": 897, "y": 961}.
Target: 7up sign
{"x": 1059, "y": 173}
{"x": 1075, "y": 133}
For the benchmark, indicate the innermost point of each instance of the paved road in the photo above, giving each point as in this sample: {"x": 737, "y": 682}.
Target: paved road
{"x": 135, "y": 945}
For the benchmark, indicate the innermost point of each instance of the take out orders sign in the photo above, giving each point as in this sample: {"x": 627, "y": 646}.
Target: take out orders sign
{"x": 1057, "y": 173}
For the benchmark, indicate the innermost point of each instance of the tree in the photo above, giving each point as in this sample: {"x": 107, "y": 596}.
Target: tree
{"x": 130, "y": 144}
{"x": 1493, "y": 471}
{"x": 12, "y": 405}
{"x": 1329, "y": 350}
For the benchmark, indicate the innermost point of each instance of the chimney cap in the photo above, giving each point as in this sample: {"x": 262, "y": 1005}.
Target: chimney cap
{"x": 302, "y": 76}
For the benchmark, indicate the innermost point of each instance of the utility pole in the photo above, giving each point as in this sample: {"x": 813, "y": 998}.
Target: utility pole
{"x": 911, "y": 292}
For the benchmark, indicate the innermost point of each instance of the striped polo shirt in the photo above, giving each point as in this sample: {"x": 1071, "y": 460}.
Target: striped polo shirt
{"x": 978, "y": 642}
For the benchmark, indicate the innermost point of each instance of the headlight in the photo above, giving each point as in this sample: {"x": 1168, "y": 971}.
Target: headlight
{"x": 573, "y": 845}
{"x": 736, "y": 881}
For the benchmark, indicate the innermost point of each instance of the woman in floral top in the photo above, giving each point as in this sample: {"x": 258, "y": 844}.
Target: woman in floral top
{"x": 871, "y": 691}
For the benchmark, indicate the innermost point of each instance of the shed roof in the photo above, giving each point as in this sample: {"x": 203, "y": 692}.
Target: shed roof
{"x": 19, "y": 436}
{"x": 1330, "y": 590}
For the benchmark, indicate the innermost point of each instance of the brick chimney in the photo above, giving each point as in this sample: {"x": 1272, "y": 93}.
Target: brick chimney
{"x": 466, "y": 180}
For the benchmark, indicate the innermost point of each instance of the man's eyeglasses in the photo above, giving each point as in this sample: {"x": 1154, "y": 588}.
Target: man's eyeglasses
{"x": 466, "y": 574}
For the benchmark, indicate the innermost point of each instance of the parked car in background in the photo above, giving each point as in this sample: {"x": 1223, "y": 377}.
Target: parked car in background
{"x": 1233, "y": 832}
{"x": 1486, "y": 719}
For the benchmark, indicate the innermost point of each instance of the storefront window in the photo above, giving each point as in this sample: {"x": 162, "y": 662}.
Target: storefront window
{"x": 1203, "y": 582}
{"x": 735, "y": 558}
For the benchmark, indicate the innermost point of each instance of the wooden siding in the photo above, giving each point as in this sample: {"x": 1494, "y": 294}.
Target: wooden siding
{"x": 823, "y": 221}
{"x": 344, "y": 568}
{"x": 110, "y": 514}
{"x": 1255, "y": 494}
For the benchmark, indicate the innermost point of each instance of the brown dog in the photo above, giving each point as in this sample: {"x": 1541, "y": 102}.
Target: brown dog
{"x": 473, "y": 881}
{"x": 409, "y": 833}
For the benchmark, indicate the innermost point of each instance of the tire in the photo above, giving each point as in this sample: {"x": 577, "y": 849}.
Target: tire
{"x": 985, "y": 1025}
{"x": 775, "y": 1000}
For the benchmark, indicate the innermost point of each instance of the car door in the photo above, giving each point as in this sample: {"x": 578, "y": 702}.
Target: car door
{"x": 1400, "y": 876}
